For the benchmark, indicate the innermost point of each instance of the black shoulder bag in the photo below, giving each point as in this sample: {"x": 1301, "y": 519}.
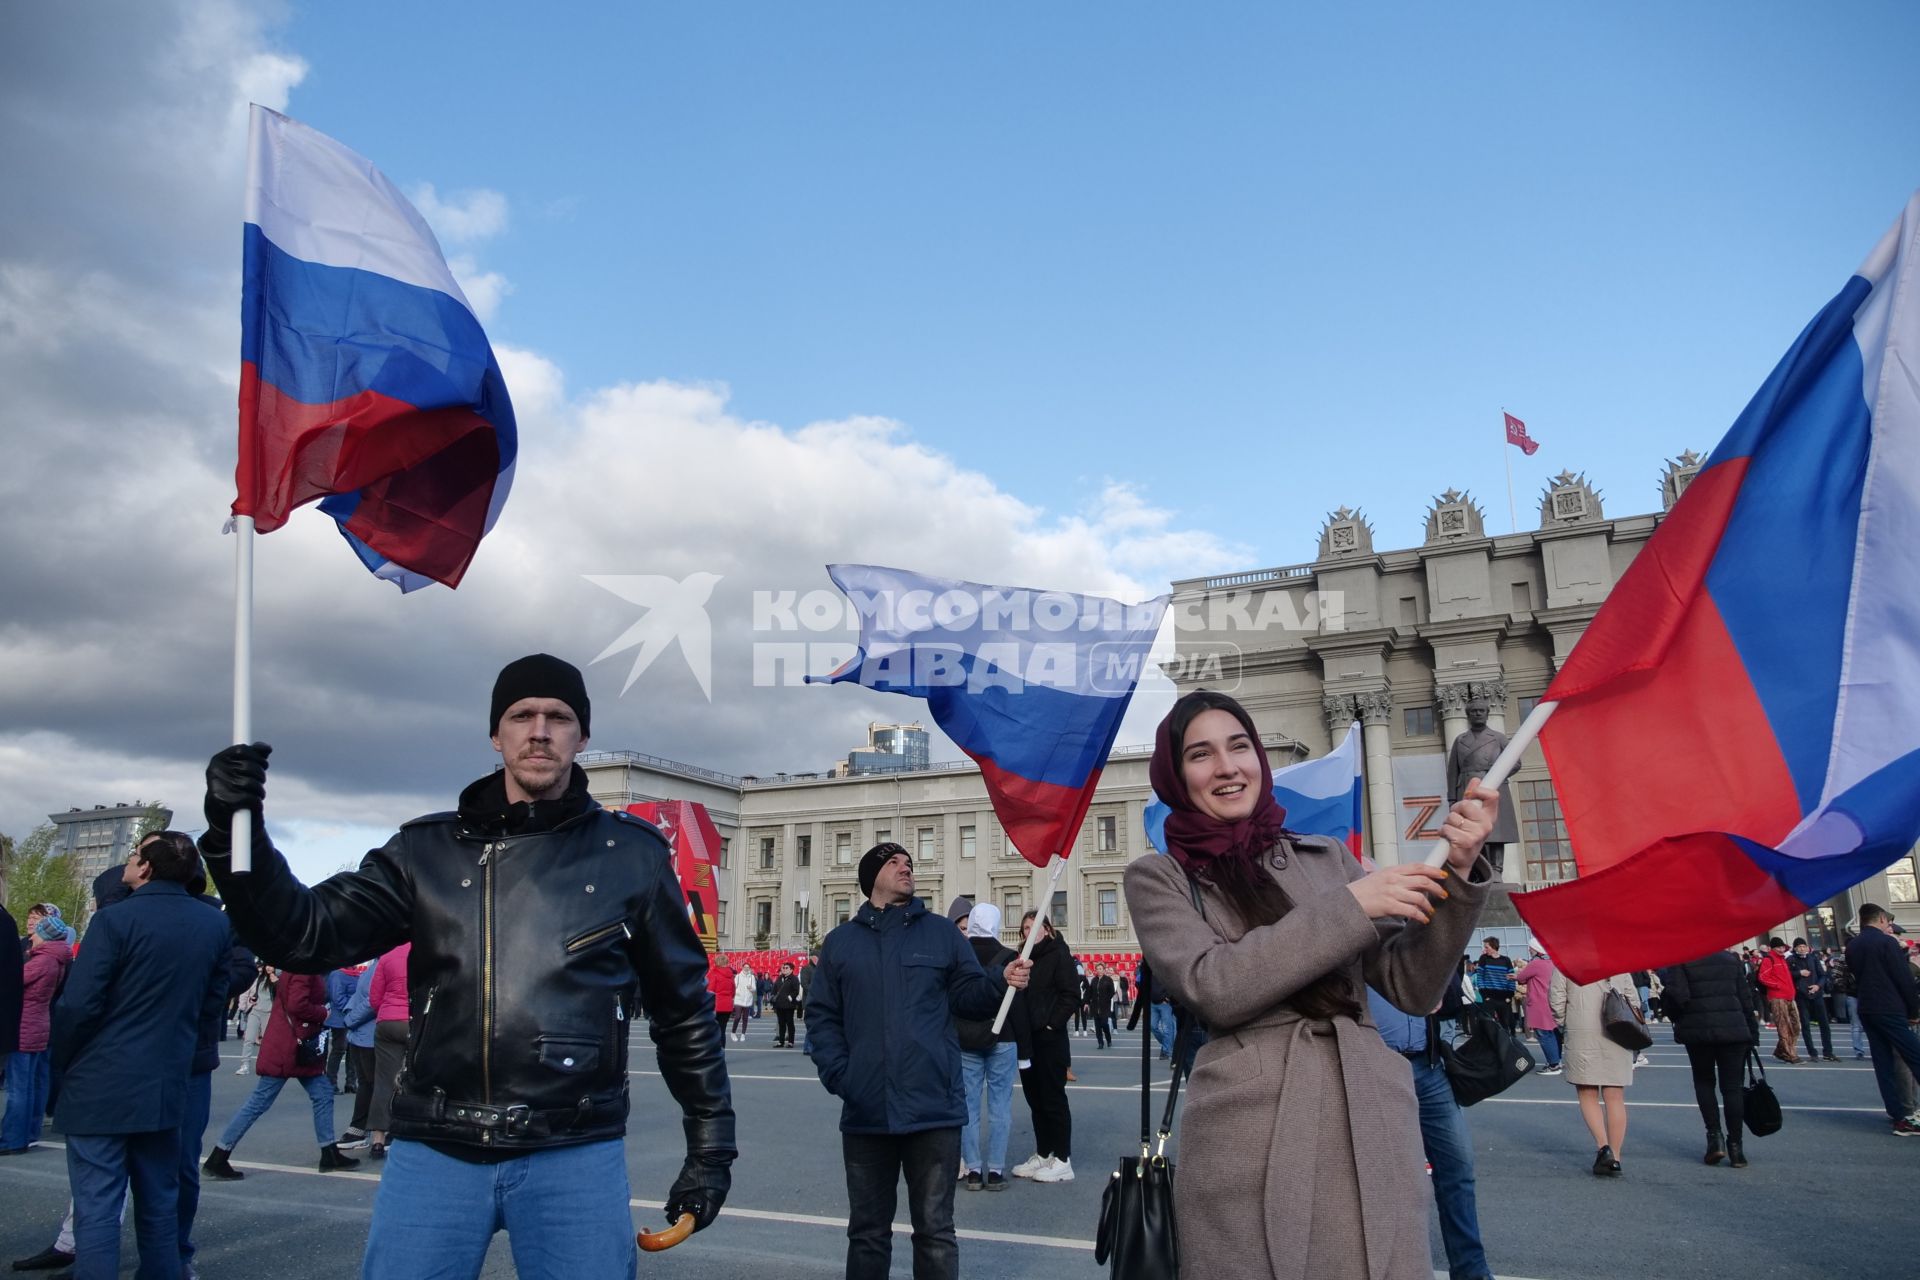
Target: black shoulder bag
{"x": 1136, "y": 1239}
{"x": 1760, "y": 1108}
{"x": 1490, "y": 1060}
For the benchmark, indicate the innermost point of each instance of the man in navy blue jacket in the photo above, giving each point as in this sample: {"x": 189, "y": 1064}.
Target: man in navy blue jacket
{"x": 1889, "y": 1006}
{"x": 880, "y": 1016}
{"x": 151, "y": 973}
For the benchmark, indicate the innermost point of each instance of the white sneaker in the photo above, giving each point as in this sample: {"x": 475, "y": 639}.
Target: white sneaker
{"x": 242, "y": 1070}
{"x": 1641, "y": 1060}
{"x": 1058, "y": 1171}
{"x": 1030, "y": 1166}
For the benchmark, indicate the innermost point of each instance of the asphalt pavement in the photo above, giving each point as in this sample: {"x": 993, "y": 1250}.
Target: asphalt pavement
{"x": 1830, "y": 1196}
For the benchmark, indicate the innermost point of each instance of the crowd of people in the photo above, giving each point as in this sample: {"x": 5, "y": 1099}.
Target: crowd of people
{"x": 486, "y": 1050}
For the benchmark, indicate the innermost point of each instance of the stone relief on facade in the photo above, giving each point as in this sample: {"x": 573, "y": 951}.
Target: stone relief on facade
{"x": 1678, "y": 475}
{"x": 1454, "y": 516}
{"x": 1339, "y": 708}
{"x": 1346, "y": 532}
{"x": 1451, "y": 699}
{"x": 1376, "y": 705}
{"x": 1569, "y": 499}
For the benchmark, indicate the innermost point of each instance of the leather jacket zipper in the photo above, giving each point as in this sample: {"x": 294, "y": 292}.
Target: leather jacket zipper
{"x": 486, "y": 976}
{"x": 414, "y": 1041}
{"x": 599, "y": 934}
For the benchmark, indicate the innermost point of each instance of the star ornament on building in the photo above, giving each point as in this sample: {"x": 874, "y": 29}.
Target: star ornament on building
{"x": 674, "y": 611}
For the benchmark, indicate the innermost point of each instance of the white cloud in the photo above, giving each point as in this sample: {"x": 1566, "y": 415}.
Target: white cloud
{"x": 463, "y": 217}
{"x": 484, "y": 289}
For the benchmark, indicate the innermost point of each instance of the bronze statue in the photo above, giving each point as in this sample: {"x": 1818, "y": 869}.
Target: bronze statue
{"x": 1472, "y": 754}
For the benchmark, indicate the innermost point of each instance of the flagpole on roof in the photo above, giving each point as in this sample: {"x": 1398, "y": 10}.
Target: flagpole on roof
{"x": 242, "y": 674}
{"x": 1033, "y": 935}
{"x": 1513, "y": 515}
{"x": 1503, "y": 767}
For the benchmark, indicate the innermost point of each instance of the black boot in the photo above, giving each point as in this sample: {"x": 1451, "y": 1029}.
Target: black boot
{"x": 1736, "y": 1158}
{"x": 1716, "y": 1146}
{"x": 1603, "y": 1162}
{"x": 331, "y": 1159}
{"x": 217, "y": 1166}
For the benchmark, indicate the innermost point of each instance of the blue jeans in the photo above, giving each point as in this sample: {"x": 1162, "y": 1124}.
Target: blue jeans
{"x": 1890, "y": 1038}
{"x": 28, "y": 1075}
{"x": 564, "y": 1210}
{"x": 1163, "y": 1027}
{"x": 1443, "y": 1130}
{"x": 1853, "y": 1025}
{"x": 193, "y": 1127}
{"x": 1549, "y": 1044}
{"x": 265, "y": 1090}
{"x": 996, "y": 1070}
{"x": 99, "y": 1169}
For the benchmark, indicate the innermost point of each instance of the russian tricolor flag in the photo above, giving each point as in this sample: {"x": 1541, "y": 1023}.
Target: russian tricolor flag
{"x": 1738, "y": 733}
{"x": 366, "y": 379}
{"x": 1031, "y": 684}
{"x": 1322, "y": 797}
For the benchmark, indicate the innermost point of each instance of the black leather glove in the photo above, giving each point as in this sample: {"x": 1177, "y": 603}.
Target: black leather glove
{"x": 236, "y": 780}
{"x": 700, "y": 1189}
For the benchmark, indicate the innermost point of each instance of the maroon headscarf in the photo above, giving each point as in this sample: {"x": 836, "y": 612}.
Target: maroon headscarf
{"x": 1200, "y": 843}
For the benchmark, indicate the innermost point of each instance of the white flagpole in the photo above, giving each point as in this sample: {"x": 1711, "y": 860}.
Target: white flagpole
{"x": 1508, "y": 761}
{"x": 243, "y": 674}
{"x": 1033, "y": 936}
{"x": 1513, "y": 514}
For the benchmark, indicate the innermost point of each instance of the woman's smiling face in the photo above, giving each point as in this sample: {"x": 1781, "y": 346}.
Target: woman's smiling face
{"x": 1220, "y": 765}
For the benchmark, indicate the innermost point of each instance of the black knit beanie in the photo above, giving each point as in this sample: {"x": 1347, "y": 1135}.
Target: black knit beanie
{"x": 874, "y": 859}
{"x": 540, "y": 675}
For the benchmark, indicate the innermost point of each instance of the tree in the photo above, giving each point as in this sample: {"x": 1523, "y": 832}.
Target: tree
{"x": 156, "y": 818}
{"x": 813, "y": 934}
{"x": 37, "y": 874}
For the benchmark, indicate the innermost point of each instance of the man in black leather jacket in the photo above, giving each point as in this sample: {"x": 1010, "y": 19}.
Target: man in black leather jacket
{"x": 538, "y": 921}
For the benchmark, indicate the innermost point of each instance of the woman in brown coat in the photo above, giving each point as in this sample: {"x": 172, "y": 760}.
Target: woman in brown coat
{"x": 1300, "y": 1152}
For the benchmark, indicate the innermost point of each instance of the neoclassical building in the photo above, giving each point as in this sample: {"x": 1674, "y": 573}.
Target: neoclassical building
{"x": 1396, "y": 640}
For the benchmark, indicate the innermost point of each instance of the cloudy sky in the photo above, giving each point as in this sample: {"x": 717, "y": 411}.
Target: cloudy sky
{"x": 1088, "y": 297}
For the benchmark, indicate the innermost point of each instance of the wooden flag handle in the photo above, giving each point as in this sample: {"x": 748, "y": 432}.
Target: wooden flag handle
{"x": 655, "y": 1241}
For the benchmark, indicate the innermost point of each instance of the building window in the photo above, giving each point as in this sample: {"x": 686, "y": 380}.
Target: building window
{"x": 1417, "y": 721}
{"x": 766, "y": 853}
{"x": 1107, "y": 837}
{"x": 720, "y": 919}
{"x": 799, "y": 921}
{"x": 1109, "y": 902}
{"x": 923, "y": 844}
{"x": 1902, "y": 885}
{"x": 803, "y": 851}
{"x": 842, "y": 910}
{"x": 1527, "y": 705}
{"x": 882, "y": 834}
{"x": 967, "y": 846}
{"x": 762, "y": 918}
{"x": 1549, "y": 853}
{"x": 1057, "y": 913}
{"x": 726, "y": 849}
{"x": 843, "y": 847}
{"x": 1013, "y": 905}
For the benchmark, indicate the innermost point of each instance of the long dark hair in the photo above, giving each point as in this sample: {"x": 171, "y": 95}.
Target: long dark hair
{"x": 1248, "y": 882}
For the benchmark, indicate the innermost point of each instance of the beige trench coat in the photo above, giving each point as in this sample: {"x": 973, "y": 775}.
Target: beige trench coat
{"x": 1299, "y": 1150}
{"x": 1590, "y": 1058}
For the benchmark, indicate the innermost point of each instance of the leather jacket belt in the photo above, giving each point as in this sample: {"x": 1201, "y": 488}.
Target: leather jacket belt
{"x": 516, "y": 1120}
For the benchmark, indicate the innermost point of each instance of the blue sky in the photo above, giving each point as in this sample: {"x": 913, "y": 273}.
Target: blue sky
{"x": 1257, "y": 262}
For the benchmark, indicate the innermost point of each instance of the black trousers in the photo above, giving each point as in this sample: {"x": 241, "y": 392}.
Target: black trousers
{"x": 1045, "y": 1086}
{"x": 363, "y": 1066}
{"x": 1500, "y": 1004}
{"x": 1721, "y": 1064}
{"x": 1103, "y": 1026}
{"x": 1814, "y": 1009}
{"x": 337, "y": 1055}
{"x": 783, "y": 1032}
{"x": 875, "y": 1162}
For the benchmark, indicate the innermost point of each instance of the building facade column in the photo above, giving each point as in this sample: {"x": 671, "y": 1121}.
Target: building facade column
{"x": 1383, "y": 824}
{"x": 1450, "y": 700}
{"x": 1341, "y": 712}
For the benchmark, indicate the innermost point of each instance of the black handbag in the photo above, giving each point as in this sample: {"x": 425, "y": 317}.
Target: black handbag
{"x": 1136, "y": 1239}
{"x": 1621, "y": 1023}
{"x": 1488, "y": 1061}
{"x": 1760, "y": 1109}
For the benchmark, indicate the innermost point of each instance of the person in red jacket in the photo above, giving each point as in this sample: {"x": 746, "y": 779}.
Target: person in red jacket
{"x": 289, "y": 1050}
{"x": 1776, "y": 979}
{"x": 27, "y": 1068}
{"x": 720, "y": 983}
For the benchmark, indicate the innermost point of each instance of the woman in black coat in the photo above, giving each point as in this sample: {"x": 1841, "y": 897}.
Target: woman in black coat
{"x": 786, "y": 998}
{"x": 1710, "y": 1002}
